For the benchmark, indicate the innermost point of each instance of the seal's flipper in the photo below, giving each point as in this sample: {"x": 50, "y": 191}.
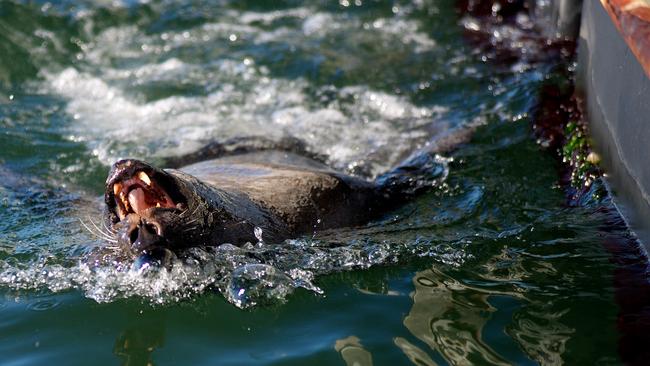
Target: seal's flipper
{"x": 416, "y": 174}
{"x": 425, "y": 168}
{"x": 242, "y": 145}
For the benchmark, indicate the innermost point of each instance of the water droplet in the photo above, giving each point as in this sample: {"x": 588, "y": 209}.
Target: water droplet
{"x": 258, "y": 233}
{"x": 254, "y": 284}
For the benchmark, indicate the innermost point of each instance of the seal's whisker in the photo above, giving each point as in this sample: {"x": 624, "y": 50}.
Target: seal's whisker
{"x": 98, "y": 235}
{"x": 108, "y": 229}
{"x": 106, "y": 234}
{"x": 191, "y": 221}
{"x": 89, "y": 229}
{"x": 191, "y": 228}
{"x": 195, "y": 209}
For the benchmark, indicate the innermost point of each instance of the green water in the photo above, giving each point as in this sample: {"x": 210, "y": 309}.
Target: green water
{"x": 489, "y": 267}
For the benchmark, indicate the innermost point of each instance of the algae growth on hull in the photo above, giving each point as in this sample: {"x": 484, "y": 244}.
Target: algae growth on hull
{"x": 491, "y": 260}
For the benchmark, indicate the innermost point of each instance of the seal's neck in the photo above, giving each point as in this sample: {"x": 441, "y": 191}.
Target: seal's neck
{"x": 228, "y": 215}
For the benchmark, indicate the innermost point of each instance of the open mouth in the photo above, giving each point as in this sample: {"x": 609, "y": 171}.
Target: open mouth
{"x": 139, "y": 193}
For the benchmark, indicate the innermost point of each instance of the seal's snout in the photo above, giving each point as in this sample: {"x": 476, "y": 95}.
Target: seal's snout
{"x": 141, "y": 234}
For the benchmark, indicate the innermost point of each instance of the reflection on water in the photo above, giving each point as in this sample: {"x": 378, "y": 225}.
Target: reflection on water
{"x": 414, "y": 353}
{"x": 450, "y": 318}
{"x": 458, "y": 323}
{"x": 464, "y": 318}
{"x": 541, "y": 335}
{"x": 353, "y": 352}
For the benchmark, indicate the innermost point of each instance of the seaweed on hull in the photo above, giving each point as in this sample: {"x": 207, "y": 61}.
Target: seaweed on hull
{"x": 558, "y": 123}
{"x": 560, "y": 126}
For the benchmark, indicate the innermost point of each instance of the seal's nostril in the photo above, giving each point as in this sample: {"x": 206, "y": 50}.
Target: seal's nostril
{"x": 134, "y": 234}
{"x": 143, "y": 234}
{"x": 150, "y": 228}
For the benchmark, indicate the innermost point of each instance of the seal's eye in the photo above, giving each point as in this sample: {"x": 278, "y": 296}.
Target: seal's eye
{"x": 139, "y": 193}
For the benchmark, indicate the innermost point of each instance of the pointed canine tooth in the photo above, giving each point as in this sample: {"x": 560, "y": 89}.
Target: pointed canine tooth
{"x": 117, "y": 187}
{"x": 157, "y": 204}
{"x": 144, "y": 177}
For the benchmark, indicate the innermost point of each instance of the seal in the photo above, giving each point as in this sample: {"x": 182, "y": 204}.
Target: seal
{"x": 269, "y": 196}
{"x": 249, "y": 196}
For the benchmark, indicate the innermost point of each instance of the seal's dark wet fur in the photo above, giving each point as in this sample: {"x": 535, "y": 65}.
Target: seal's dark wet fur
{"x": 248, "y": 195}
{"x": 224, "y": 200}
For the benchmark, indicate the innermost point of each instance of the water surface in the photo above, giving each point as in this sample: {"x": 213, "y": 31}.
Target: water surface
{"x": 491, "y": 266}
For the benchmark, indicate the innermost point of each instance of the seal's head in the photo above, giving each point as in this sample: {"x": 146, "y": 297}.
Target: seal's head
{"x": 148, "y": 208}
{"x": 156, "y": 213}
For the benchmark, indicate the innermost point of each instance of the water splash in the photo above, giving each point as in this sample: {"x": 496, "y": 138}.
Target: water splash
{"x": 117, "y": 105}
{"x": 246, "y": 276}
{"x": 254, "y": 274}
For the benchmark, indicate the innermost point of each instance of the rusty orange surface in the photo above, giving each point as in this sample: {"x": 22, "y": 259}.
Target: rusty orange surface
{"x": 632, "y": 18}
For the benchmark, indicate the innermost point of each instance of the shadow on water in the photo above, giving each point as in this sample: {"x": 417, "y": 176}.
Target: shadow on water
{"x": 145, "y": 332}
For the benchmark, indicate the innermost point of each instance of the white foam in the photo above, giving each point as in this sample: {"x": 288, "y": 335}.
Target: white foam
{"x": 396, "y": 29}
{"x": 405, "y": 30}
{"x": 235, "y": 97}
{"x": 319, "y": 24}
{"x": 115, "y": 124}
{"x": 249, "y": 17}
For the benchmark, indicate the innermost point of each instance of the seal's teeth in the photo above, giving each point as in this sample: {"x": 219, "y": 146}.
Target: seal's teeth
{"x": 144, "y": 177}
{"x": 157, "y": 204}
{"x": 117, "y": 187}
